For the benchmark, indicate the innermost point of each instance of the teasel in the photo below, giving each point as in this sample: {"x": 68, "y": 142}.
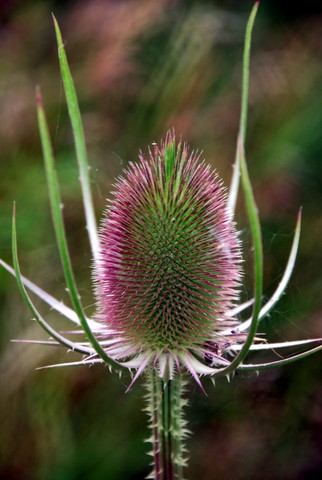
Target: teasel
{"x": 167, "y": 268}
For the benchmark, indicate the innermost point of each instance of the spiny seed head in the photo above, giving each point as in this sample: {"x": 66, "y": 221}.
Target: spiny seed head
{"x": 170, "y": 258}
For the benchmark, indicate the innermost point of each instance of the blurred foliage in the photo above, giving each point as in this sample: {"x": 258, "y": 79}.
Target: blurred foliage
{"x": 140, "y": 67}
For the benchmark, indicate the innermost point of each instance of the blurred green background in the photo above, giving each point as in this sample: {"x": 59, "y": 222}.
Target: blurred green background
{"x": 141, "y": 67}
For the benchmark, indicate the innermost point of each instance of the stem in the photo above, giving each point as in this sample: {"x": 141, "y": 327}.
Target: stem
{"x": 164, "y": 407}
{"x": 166, "y": 429}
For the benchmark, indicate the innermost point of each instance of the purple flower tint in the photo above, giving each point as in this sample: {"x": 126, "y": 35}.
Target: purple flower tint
{"x": 170, "y": 261}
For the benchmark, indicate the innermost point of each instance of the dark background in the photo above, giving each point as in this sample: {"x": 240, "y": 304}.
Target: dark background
{"x": 140, "y": 67}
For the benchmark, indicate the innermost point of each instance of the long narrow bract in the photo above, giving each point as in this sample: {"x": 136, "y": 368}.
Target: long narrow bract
{"x": 79, "y": 140}
{"x": 56, "y": 203}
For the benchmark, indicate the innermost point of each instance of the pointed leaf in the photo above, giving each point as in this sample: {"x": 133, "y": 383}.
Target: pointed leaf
{"x": 79, "y": 139}
{"x": 55, "y": 202}
{"x": 234, "y": 186}
{"x": 59, "y": 338}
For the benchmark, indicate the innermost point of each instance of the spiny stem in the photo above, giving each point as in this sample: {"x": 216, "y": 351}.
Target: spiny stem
{"x": 155, "y": 425}
{"x": 166, "y": 429}
{"x": 164, "y": 407}
{"x": 178, "y": 426}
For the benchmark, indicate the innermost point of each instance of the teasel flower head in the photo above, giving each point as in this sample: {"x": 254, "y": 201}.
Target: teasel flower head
{"x": 167, "y": 261}
{"x": 169, "y": 268}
